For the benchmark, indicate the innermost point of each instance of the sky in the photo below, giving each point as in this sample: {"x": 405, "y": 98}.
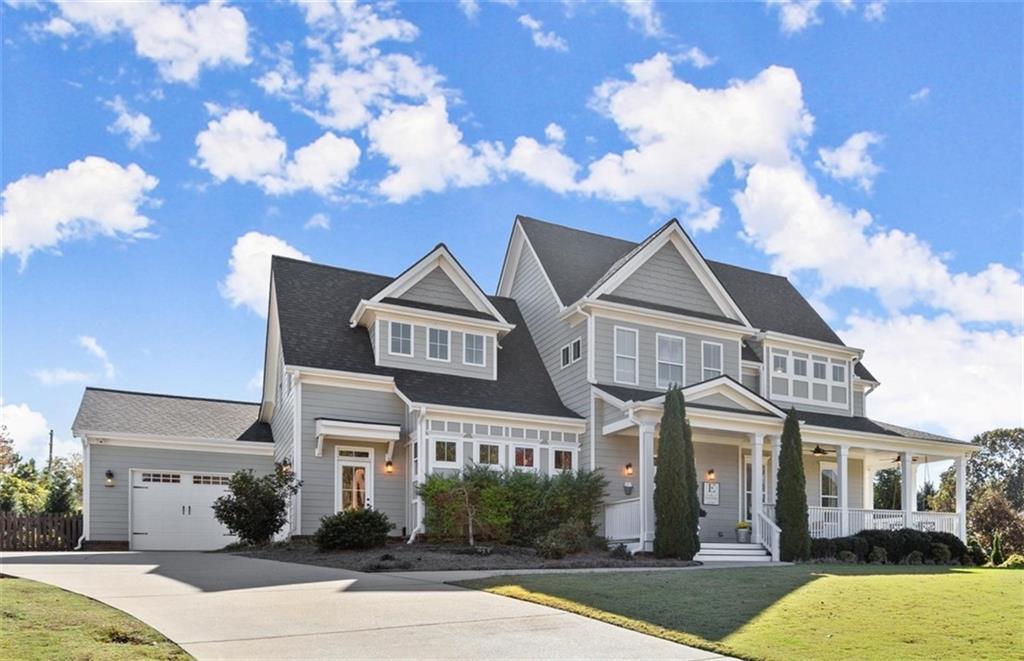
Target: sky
{"x": 155, "y": 156}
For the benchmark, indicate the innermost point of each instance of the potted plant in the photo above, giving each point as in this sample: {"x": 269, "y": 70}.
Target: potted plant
{"x": 743, "y": 532}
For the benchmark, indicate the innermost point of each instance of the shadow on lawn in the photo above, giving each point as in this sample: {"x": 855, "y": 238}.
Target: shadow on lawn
{"x": 711, "y": 604}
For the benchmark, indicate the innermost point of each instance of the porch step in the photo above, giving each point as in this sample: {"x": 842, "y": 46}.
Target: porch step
{"x": 724, "y": 552}
{"x": 701, "y": 557}
{"x": 721, "y": 546}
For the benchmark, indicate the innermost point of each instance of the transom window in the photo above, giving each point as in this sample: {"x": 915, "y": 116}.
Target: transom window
{"x": 446, "y": 452}
{"x": 473, "y": 349}
{"x": 626, "y": 355}
{"x": 811, "y": 378}
{"x": 524, "y": 457}
{"x": 670, "y": 350}
{"x": 437, "y": 344}
{"x": 488, "y": 454}
{"x": 711, "y": 353}
{"x": 401, "y": 339}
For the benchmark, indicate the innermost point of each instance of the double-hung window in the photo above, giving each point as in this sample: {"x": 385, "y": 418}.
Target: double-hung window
{"x": 670, "y": 351}
{"x": 829, "y": 485}
{"x": 473, "y": 349}
{"x": 626, "y": 364}
{"x": 711, "y": 356}
{"x": 401, "y": 339}
{"x": 437, "y": 344}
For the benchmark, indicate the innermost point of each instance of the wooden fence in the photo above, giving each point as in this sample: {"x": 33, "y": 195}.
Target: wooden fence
{"x": 39, "y": 532}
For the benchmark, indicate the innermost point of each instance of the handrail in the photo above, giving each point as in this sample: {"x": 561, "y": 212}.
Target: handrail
{"x": 768, "y": 535}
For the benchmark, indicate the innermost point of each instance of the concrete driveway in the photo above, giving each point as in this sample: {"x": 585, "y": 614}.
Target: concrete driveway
{"x": 224, "y": 606}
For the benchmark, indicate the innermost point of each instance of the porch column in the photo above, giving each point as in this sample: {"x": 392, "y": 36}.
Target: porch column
{"x": 646, "y": 484}
{"x": 869, "y": 486}
{"x": 756, "y": 469}
{"x": 776, "y": 451}
{"x": 843, "y": 456}
{"x": 961, "y": 497}
{"x": 907, "y": 487}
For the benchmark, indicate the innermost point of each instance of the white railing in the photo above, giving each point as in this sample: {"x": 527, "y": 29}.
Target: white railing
{"x": 622, "y": 520}
{"x": 861, "y": 519}
{"x": 934, "y": 521}
{"x": 824, "y": 521}
{"x": 768, "y": 535}
{"x": 769, "y": 511}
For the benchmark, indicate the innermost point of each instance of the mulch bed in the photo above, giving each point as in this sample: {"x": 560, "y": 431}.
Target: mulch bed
{"x": 399, "y": 556}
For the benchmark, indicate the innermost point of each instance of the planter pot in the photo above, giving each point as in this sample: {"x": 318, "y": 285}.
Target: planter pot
{"x": 743, "y": 535}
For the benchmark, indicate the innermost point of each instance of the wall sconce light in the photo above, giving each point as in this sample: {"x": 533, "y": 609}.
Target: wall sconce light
{"x": 286, "y": 466}
{"x": 710, "y": 475}
{"x": 629, "y": 469}
{"x": 389, "y": 466}
{"x": 109, "y": 475}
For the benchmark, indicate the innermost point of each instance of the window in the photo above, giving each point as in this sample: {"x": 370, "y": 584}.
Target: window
{"x": 488, "y": 454}
{"x": 711, "y": 353}
{"x": 401, "y": 339}
{"x": 473, "y": 349}
{"x": 524, "y": 457}
{"x": 819, "y": 370}
{"x": 572, "y": 352}
{"x": 791, "y": 379}
{"x": 625, "y": 356}
{"x": 829, "y": 485}
{"x": 670, "y": 360}
{"x": 171, "y": 478}
{"x": 446, "y": 454}
{"x": 839, "y": 373}
{"x": 437, "y": 344}
{"x": 561, "y": 460}
{"x": 800, "y": 366}
{"x": 566, "y": 356}
{"x": 218, "y": 480}
{"x": 779, "y": 362}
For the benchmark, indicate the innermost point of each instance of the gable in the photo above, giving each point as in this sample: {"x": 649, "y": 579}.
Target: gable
{"x": 666, "y": 279}
{"x": 437, "y": 288}
{"x": 724, "y": 391}
{"x": 718, "y": 399}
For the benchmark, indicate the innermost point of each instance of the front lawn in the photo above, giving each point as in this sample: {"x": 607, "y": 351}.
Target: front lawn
{"x": 39, "y": 621}
{"x": 809, "y": 611}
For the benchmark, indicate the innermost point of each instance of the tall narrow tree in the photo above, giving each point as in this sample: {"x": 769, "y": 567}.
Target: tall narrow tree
{"x": 791, "y": 494}
{"x": 676, "y": 509}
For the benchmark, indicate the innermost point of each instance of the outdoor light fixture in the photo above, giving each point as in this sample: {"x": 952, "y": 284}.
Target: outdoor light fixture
{"x": 818, "y": 450}
{"x": 711, "y": 475}
{"x": 629, "y": 469}
{"x": 110, "y": 478}
{"x": 389, "y": 466}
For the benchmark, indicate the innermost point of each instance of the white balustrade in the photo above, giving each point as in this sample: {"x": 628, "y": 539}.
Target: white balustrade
{"x": 824, "y": 521}
{"x": 622, "y": 520}
{"x": 768, "y": 535}
{"x": 769, "y": 511}
{"x": 935, "y": 521}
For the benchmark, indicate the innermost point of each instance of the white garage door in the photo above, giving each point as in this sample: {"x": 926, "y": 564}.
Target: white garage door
{"x": 172, "y": 511}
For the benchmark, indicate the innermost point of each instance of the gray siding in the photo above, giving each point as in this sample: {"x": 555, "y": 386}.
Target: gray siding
{"x": 858, "y": 402}
{"x": 667, "y": 279}
{"x": 108, "y": 506}
{"x": 318, "y": 473}
{"x": 855, "y": 474}
{"x": 717, "y": 400}
{"x": 437, "y": 288}
{"x": 613, "y": 453}
{"x": 282, "y": 420}
{"x": 604, "y": 346}
{"x": 752, "y": 381}
{"x": 720, "y": 523}
{"x": 419, "y": 360}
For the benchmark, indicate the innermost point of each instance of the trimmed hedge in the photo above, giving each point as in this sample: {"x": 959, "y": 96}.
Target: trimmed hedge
{"x": 902, "y": 546}
{"x": 353, "y": 529}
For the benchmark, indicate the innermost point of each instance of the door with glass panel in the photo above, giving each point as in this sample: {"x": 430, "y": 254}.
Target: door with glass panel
{"x": 355, "y": 479}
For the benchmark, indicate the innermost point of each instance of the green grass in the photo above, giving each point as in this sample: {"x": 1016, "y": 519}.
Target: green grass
{"x": 39, "y": 621}
{"x": 802, "y": 611}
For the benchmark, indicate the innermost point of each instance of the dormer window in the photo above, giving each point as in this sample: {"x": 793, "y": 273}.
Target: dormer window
{"x": 473, "y": 349}
{"x": 401, "y": 339}
{"x": 437, "y": 344}
{"x": 818, "y": 380}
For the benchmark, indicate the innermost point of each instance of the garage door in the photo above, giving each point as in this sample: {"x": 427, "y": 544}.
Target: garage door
{"x": 172, "y": 511}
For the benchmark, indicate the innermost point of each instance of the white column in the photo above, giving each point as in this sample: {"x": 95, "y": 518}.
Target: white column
{"x": 756, "y": 470}
{"x": 776, "y": 451}
{"x": 868, "y": 486}
{"x": 913, "y": 486}
{"x": 961, "y": 497}
{"x": 844, "y": 490}
{"x": 907, "y": 487}
{"x": 646, "y": 484}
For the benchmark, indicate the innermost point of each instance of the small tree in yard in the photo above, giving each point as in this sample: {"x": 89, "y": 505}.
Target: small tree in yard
{"x": 676, "y": 510}
{"x": 60, "y": 499}
{"x": 791, "y": 494}
{"x": 256, "y": 508}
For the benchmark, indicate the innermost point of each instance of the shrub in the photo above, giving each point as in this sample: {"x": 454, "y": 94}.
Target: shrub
{"x": 791, "y": 510}
{"x": 620, "y": 552}
{"x": 255, "y": 508}
{"x": 568, "y": 538}
{"x": 957, "y": 549}
{"x": 352, "y": 529}
{"x": 877, "y": 556}
{"x": 858, "y": 546}
{"x": 848, "y": 557}
{"x": 1015, "y": 561}
{"x": 940, "y": 553}
{"x": 996, "y": 558}
{"x": 991, "y": 511}
{"x": 822, "y": 548}
{"x": 61, "y": 497}
{"x": 975, "y": 553}
{"x": 914, "y": 558}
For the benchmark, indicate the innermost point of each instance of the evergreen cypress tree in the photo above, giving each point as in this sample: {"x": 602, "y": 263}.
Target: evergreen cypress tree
{"x": 60, "y": 499}
{"x": 692, "y": 508}
{"x": 791, "y": 494}
{"x": 670, "y": 515}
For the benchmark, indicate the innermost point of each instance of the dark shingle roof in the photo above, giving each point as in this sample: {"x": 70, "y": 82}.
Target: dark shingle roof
{"x": 612, "y": 298}
{"x": 315, "y": 301}
{"x": 863, "y": 424}
{"x": 639, "y": 395}
{"x": 125, "y": 412}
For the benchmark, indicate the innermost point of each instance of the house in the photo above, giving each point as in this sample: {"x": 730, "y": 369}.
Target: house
{"x": 371, "y": 382}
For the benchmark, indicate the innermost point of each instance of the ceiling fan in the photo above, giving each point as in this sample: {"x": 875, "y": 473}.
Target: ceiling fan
{"x": 819, "y": 451}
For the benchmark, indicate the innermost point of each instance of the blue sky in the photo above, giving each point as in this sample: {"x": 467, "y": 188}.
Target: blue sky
{"x": 153, "y": 158}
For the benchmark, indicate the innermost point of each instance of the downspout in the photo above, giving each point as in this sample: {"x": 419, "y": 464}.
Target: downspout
{"x": 85, "y": 494}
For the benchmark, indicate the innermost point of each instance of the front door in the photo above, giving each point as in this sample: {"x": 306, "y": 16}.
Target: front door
{"x": 355, "y": 479}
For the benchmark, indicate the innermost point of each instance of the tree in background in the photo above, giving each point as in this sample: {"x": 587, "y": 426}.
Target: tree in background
{"x": 8, "y": 457}
{"x": 887, "y": 489}
{"x": 1000, "y": 464}
{"x": 944, "y": 499}
{"x": 791, "y": 494}
{"x": 675, "y": 484}
{"x": 60, "y": 497}
{"x": 23, "y": 489}
{"x": 925, "y": 495}
{"x": 991, "y": 513}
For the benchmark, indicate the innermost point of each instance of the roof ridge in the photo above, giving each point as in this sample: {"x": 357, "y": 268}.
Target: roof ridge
{"x": 747, "y": 268}
{"x": 307, "y": 262}
{"x": 168, "y": 396}
{"x": 574, "y": 229}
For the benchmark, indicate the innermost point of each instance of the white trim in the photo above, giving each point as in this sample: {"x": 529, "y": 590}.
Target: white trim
{"x": 367, "y": 311}
{"x": 342, "y": 379}
{"x": 591, "y": 366}
{"x": 516, "y": 444}
{"x": 447, "y": 344}
{"x": 562, "y": 447}
{"x": 376, "y": 341}
{"x": 483, "y": 351}
{"x": 296, "y": 527}
{"x": 370, "y": 465}
{"x": 355, "y": 431}
{"x": 86, "y": 489}
{"x": 796, "y": 343}
{"x": 565, "y": 354}
{"x": 834, "y": 467}
{"x": 391, "y": 337}
{"x": 575, "y": 425}
{"x": 635, "y": 357}
{"x": 184, "y": 443}
{"x": 721, "y": 358}
{"x": 444, "y": 437}
{"x": 658, "y": 360}
{"x": 666, "y": 320}
{"x": 511, "y": 264}
{"x": 502, "y": 453}
{"x": 812, "y": 361}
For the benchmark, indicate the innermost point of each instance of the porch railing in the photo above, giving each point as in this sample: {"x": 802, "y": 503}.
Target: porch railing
{"x": 769, "y": 511}
{"x": 861, "y": 519}
{"x": 935, "y": 521}
{"x": 824, "y": 521}
{"x": 768, "y": 535}
{"x": 622, "y": 519}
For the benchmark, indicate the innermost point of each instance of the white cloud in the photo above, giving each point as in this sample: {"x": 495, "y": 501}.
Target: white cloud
{"x": 181, "y": 40}
{"x": 31, "y": 433}
{"x": 470, "y": 8}
{"x": 785, "y": 216}
{"x": 696, "y": 57}
{"x": 318, "y": 221}
{"x": 59, "y": 376}
{"x": 90, "y": 344}
{"x": 241, "y": 145}
{"x": 554, "y": 133}
{"x": 851, "y": 161}
{"x": 874, "y": 11}
{"x": 87, "y": 198}
{"x": 704, "y": 221}
{"x": 920, "y": 95}
{"x": 426, "y": 152}
{"x": 682, "y": 134}
{"x": 359, "y": 27}
{"x": 796, "y": 15}
{"x": 59, "y": 27}
{"x": 248, "y": 279}
{"x": 546, "y": 40}
{"x": 135, "y": 125}
{"x": 543, "y": 164}
{"x": 643, "y": 16}
{"x": 938, "y": 374}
